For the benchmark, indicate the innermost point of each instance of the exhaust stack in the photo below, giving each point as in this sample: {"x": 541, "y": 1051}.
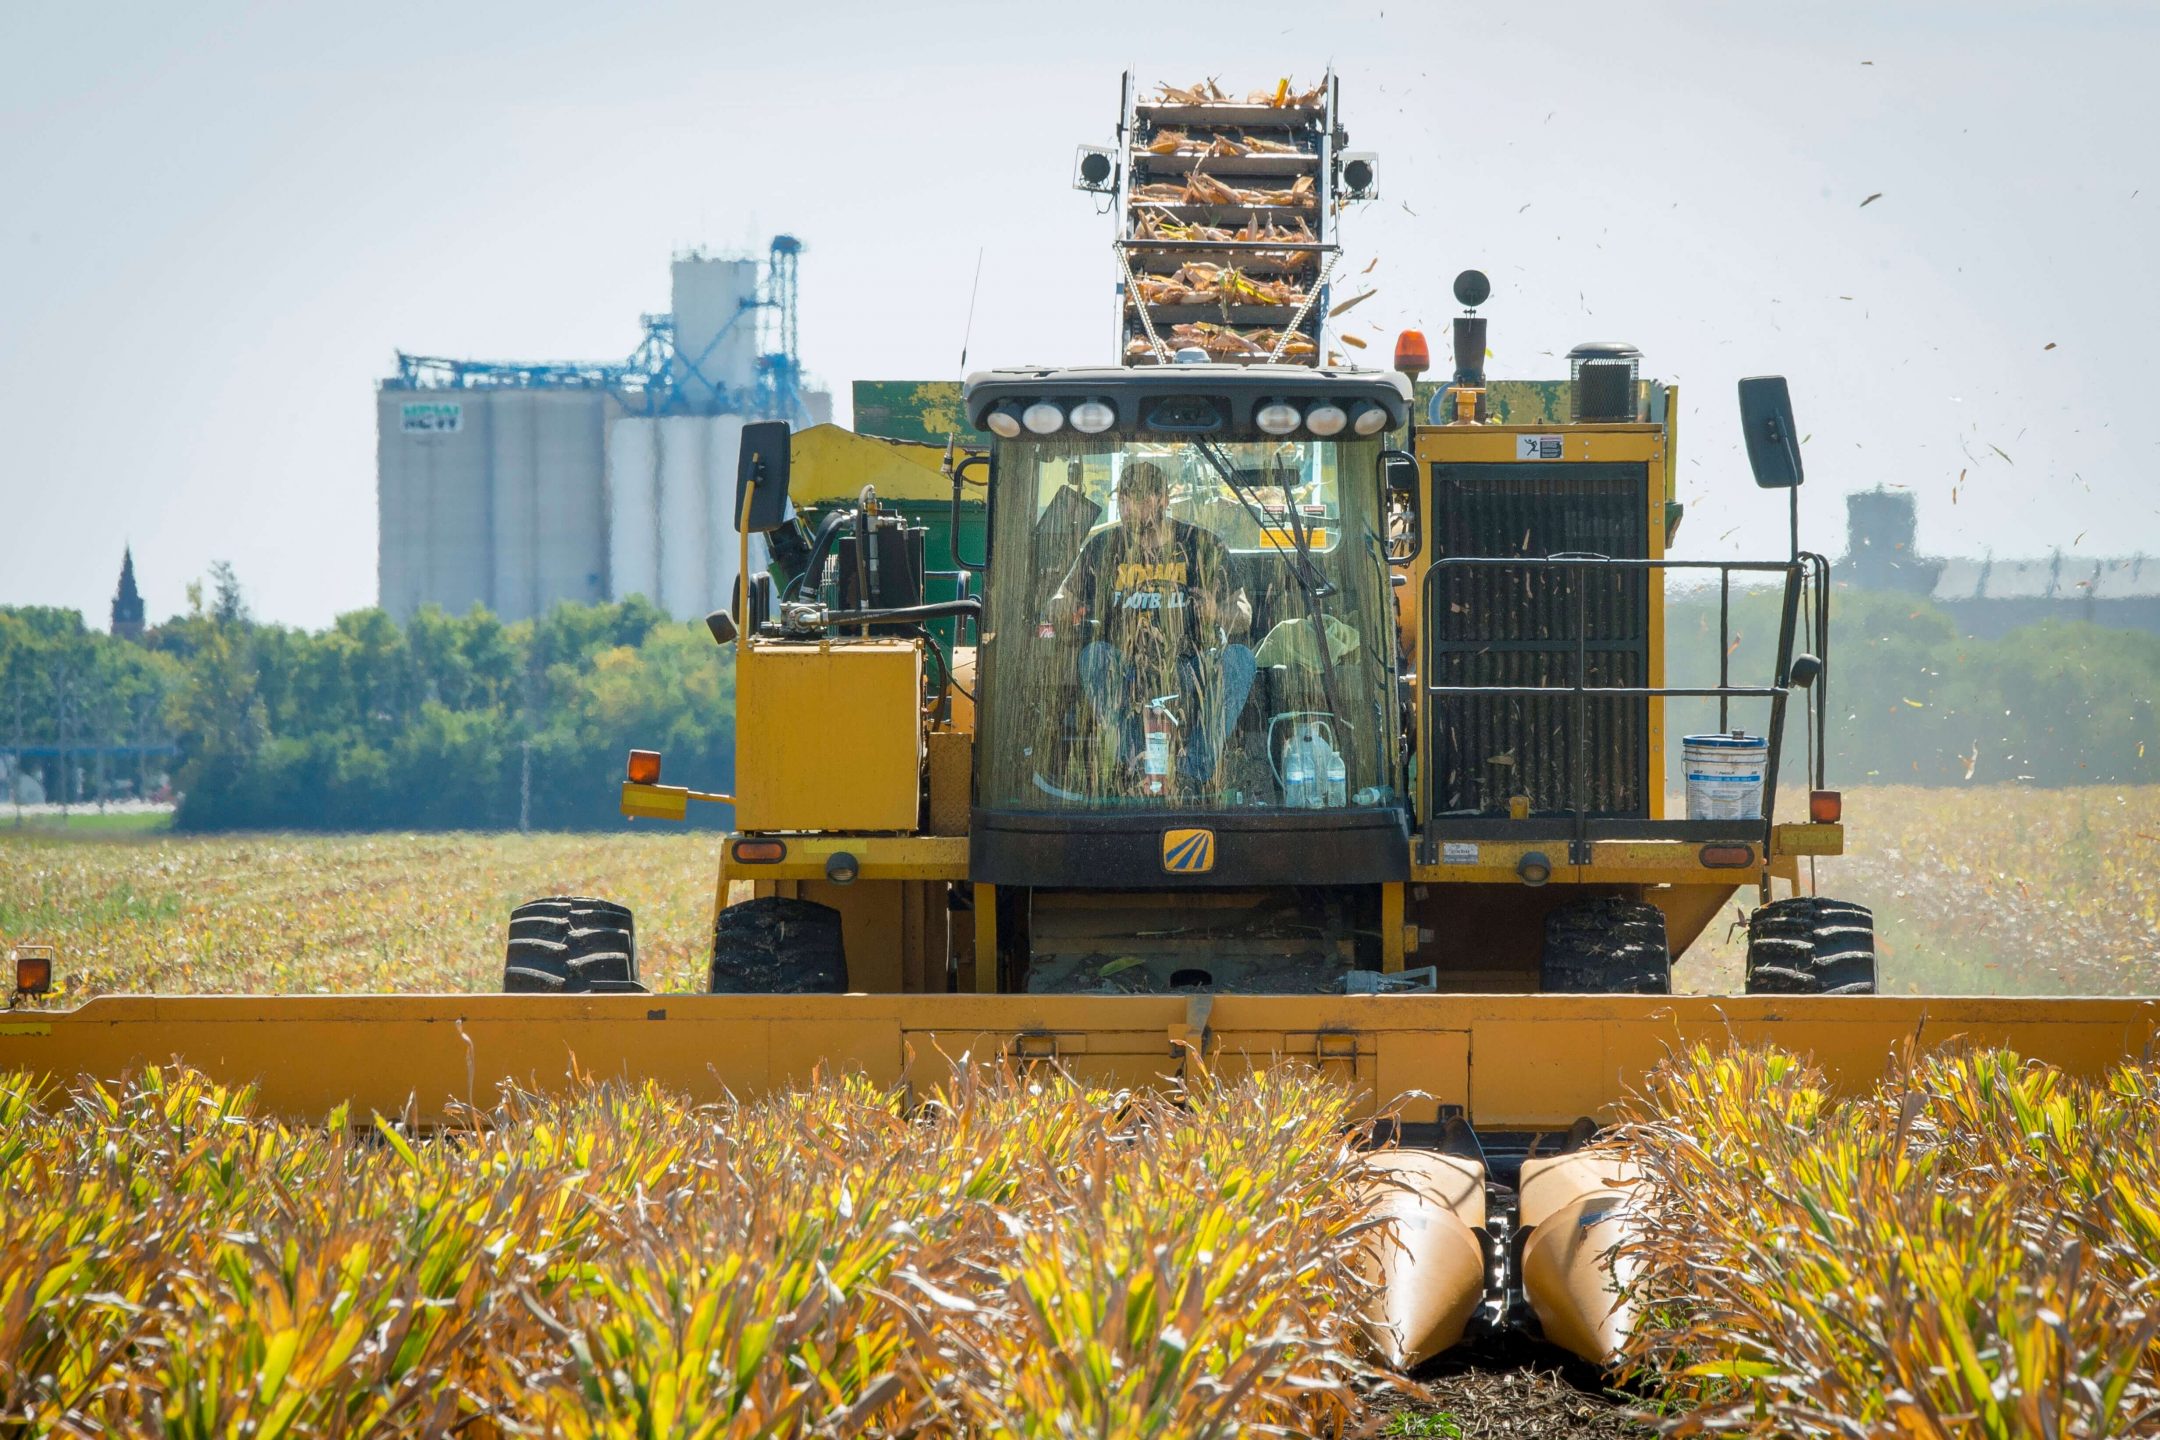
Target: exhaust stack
{"x": 1472, "y": 289}
{"x": 1470, "y": 351}
{"x": 1603, "y": 375}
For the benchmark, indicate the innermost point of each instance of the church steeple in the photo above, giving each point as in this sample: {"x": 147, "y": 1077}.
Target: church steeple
{"x": 127, "y": 606}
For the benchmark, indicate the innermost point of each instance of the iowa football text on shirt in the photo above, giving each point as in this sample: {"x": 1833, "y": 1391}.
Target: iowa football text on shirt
{"x": 1123, "y": 584}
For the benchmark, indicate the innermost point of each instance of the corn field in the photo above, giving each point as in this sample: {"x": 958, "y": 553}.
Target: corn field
{"x": 1013, "y": 1258}
{"x": 2000, "y": 890}
{"x": 1995, "y": 890}
{"x": 1971, "y": 1250}
{"x": 301, "y": 914}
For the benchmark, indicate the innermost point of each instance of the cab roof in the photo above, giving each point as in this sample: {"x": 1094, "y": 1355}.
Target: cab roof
{"x": 1235, "y": 389}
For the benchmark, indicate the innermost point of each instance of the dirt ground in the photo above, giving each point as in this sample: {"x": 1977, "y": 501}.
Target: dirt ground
{"x": 1513, "y": 1391}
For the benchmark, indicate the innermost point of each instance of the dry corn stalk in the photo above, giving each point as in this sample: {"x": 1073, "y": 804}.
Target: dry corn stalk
{"x": 1154, "y": 224}
{"x": 1227, "y": 342}
{"x": 1199, "y": 283}
{"x": 1200, "y": 188}
{"x": 1208, "y": 92}
{"x": 1225, "y": 144}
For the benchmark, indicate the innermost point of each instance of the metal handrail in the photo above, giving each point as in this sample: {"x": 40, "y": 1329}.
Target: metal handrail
{"x": 1797, "y": 571}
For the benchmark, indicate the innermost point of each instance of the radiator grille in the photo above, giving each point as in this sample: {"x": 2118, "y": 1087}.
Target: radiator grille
{"x": 1518, "y": 626}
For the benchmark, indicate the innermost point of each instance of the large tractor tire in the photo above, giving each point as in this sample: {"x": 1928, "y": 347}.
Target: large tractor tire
{"x": 571, "y": 945}
{"x": 775, "y": 946}
{"x": 1605, "y": 947}
{"x": 1810, "y": 945}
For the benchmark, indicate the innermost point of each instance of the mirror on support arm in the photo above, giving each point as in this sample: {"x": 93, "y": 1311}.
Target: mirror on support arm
{"x": 1400, "y": 469}
{"x": 1399, "y": 492}
{"x": 722, "y": 623}
{"x": 761, "y": 477}
{"x": 1773, "y": 442}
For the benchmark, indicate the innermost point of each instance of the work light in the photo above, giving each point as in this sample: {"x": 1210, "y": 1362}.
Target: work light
{"x": 1326, "y": 420}
{"x": 1092, "y": 417}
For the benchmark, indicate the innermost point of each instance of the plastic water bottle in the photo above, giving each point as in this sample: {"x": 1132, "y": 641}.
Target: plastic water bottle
{"x": 1335, "y": 782}
{"x": 1297, "y": 776}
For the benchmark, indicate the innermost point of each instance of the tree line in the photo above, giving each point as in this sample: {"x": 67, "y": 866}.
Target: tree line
{"x": 443, "y": 722}
{"x": 465, "y": 722}
{"x": 1913, "y": 701}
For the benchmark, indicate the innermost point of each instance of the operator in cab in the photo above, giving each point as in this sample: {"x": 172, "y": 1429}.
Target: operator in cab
{"x": 1163, "y": 618}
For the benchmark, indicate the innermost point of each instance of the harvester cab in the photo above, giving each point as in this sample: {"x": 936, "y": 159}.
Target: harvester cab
{"x": 1189, "y": 758}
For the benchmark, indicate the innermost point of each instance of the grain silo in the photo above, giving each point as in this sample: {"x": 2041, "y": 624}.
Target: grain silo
{"x": 519, "y": 485}
{"x": 670, "y": 496}
{"x": 716, "y": 330}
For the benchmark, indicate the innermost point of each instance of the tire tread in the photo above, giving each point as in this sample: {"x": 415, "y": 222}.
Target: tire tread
{"x": 570, "y": 944}
{"x": 1811, "y": 945}
{"x": 1605, "y": 946}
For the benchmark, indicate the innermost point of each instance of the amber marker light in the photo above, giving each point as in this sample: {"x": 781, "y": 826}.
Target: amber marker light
{"x": 1826, "y": 807}
{"x": 760, "y": 852}
{"x": 33, "y": 971}
{"x": 1412, "y": 356}
{"x": 644, "y": 767}
{"x": 1727, "y": 857}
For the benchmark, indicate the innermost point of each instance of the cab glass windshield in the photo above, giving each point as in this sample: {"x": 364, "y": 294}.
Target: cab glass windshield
{"x": 1195, "y": 623}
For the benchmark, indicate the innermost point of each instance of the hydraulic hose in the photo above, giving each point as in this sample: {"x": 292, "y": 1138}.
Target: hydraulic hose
{"x": 936, "y": 610}
{"x": 820, "y": 549}
{"x": 863, "y": 532}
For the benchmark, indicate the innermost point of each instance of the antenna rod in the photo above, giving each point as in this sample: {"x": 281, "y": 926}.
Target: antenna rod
{"x": 973, "y": 291}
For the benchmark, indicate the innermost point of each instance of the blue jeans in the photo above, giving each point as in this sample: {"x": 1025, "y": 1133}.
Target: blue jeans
{"x": 1217, "y": 683}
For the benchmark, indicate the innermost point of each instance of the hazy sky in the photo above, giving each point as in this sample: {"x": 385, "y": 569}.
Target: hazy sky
{"x": 219, "y": 222}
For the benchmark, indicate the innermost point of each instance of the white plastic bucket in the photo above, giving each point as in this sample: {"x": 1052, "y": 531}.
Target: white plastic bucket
{"x": 1724, "y": 775}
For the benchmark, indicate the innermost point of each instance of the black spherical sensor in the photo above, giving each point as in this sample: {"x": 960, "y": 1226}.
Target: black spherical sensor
{"x": 1472, "y": 289}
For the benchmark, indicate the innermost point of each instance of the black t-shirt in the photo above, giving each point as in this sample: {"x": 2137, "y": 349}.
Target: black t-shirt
{"x": 1141, "y": 593}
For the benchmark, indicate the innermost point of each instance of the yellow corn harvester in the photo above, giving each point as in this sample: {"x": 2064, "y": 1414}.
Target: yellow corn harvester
{"x": 1365, "y": 774}
{"x": 949, "y": 852}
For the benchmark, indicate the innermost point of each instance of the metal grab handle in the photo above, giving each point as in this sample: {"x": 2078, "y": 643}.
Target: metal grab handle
{"x": 1796, "y": 573}
{"x": 952, "y": 534}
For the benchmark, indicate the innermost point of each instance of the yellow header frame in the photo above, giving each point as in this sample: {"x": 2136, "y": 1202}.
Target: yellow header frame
{"x": 1510, "y": 1061}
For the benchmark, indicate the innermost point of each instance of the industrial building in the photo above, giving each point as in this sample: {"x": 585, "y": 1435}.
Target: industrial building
{"x": 517, "y": 485}
{"x": 1988, "y": 597}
